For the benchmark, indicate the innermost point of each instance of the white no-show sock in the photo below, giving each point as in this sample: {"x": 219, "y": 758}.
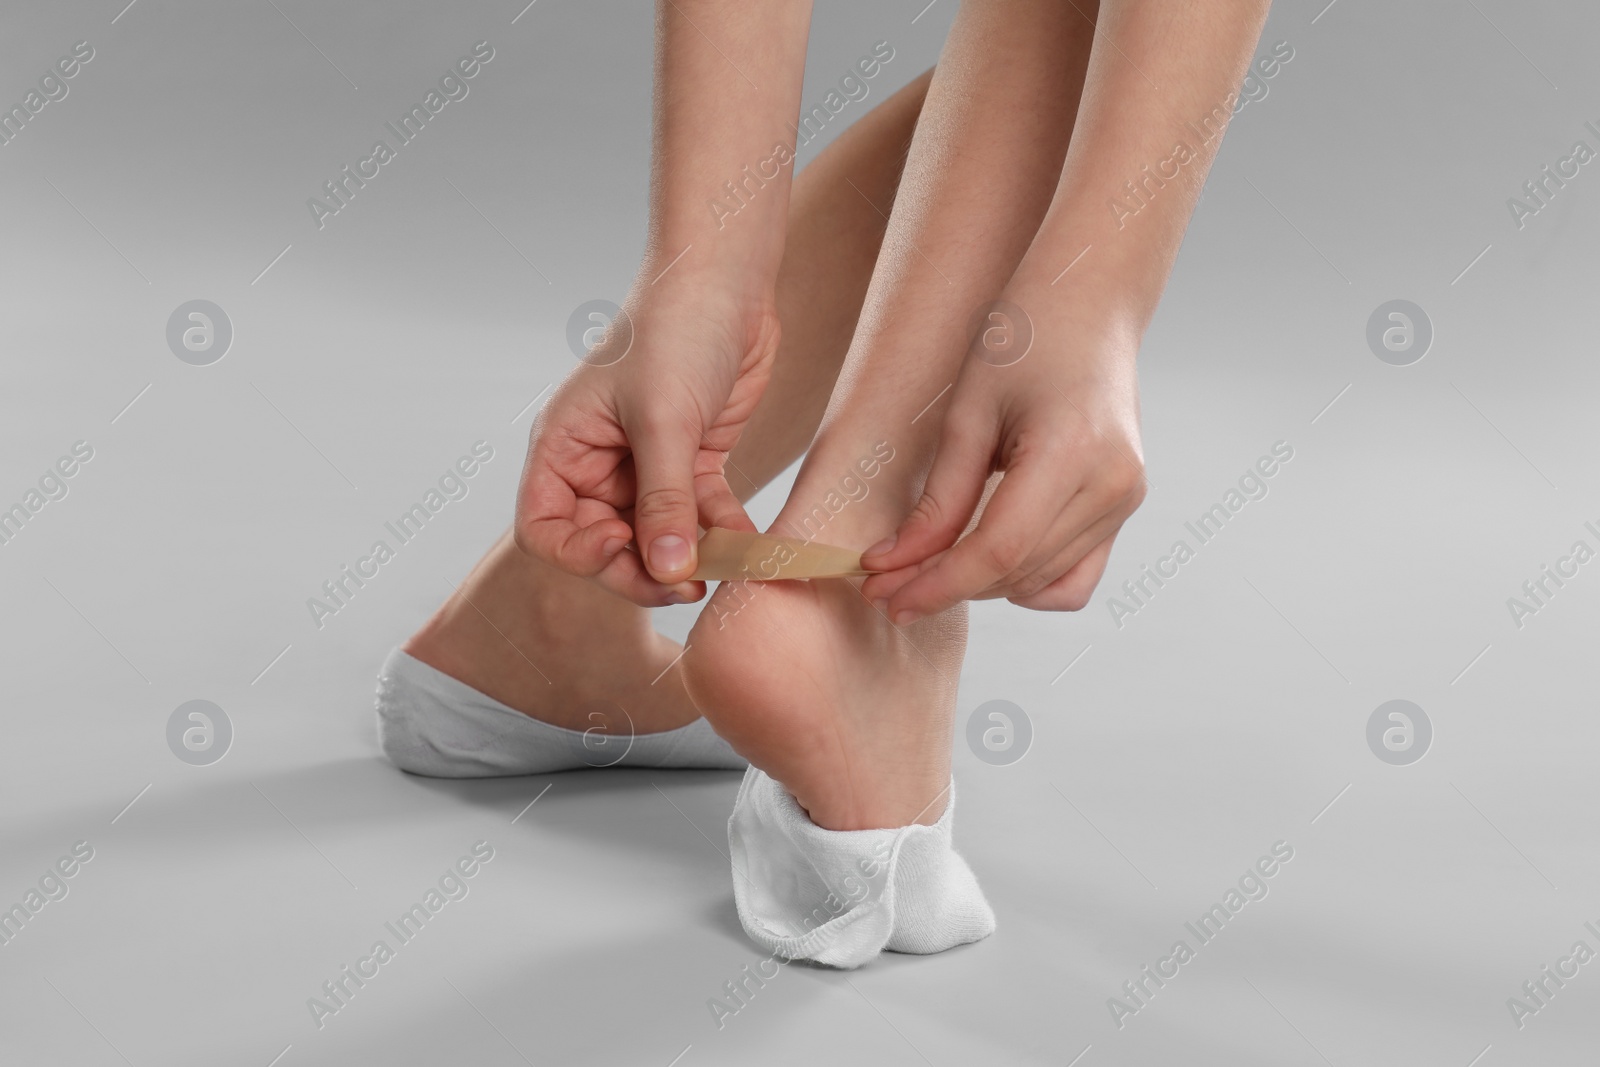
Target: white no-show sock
{"x": 839, "y": 897}
{"x": 432, "y": 724}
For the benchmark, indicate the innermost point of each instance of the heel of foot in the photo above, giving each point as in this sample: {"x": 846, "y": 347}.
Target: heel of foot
{"x": 438, "y": 726}
{"x": 839, "y": 897}
{"x": 695, "y": 746}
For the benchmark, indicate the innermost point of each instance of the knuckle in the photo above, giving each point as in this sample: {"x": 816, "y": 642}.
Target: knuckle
{"x": 523, "y": 537}
{"x": 1120, "y": 485}
{"x": 663, "y": 505}
{"x": 1047, "y": 444}
{"x": 999, "y": 555}
{"x": 1139, "y": 488}
{"x": 1075, "y": 598}
{"x": 660, "y": 419}
{"x": 1128, "y": 473}
{"x": 1028, "y": 585}
{"x": 1070, "y": 599}
{"x": 929, "y": 512}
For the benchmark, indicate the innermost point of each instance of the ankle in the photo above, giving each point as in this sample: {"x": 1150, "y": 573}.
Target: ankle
{"x": 850, "y": 496}
{"x": 919, "y": 802}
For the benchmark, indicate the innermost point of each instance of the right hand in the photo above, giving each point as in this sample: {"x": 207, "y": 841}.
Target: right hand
{"x": 634, "y": 451}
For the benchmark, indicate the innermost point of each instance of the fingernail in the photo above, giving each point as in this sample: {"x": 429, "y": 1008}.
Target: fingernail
{"x": 677, "y": 598}
{"x": 668, "y": 554}
{"x": 613, "y": 545}
{"x": 882, "y": 604}
{"x": 882, "y": 546}
{"x": 905, "y": 618}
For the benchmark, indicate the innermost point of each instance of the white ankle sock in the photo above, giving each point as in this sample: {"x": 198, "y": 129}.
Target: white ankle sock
{"x": 430, "y": 723}
{"x": 840, "y": 897}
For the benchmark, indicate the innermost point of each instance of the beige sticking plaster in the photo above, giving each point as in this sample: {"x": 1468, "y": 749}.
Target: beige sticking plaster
{"x": 733, "y": 555}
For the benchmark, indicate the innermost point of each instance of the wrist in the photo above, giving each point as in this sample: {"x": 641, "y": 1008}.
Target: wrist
{"x": 744, "y": 263}
{"x": 729, "y": 235}
{"x": 1101, "y": 320}
{"x": 713, "y": 285}
{"x": 1101, "y": 273}
{"x": 729, "y": 315}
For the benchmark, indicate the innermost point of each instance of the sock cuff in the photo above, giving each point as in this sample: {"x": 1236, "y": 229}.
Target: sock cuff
{"x": 839, "y": 897}
{"x": 432, "y": 724}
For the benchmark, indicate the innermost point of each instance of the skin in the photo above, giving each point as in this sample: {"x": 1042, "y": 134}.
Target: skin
{"x": 808, "y": 680}
{"x": 563, "y": 649}
{"x": 850, "y": 711}
{"x": 635, "y": 451}
{"x": 1062, "y": 422}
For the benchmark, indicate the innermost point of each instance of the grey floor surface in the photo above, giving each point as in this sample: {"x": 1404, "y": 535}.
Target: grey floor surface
{"x": 1171, "y": 748}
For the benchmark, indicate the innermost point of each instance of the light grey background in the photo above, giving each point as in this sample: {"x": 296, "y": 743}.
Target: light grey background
{"x": 1228, "y": 714}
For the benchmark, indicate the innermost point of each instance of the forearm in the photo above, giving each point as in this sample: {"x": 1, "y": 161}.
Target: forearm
{"x": 727, "y": 90}
{"x": 1162, "y": 83}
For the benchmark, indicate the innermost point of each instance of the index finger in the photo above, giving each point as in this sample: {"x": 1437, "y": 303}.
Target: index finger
{"x": 1016, "y": 519}
{"x": 718, "y": 504}
{"x": 551, "y": 524}
{"x": 581, "y": 531}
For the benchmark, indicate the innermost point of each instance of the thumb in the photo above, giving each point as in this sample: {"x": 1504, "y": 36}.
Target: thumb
{"x": 665, "y": 518}
{"x": 955, "y": 484}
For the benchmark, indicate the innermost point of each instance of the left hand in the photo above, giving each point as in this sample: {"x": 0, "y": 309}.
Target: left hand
{"x": 1061, "y": 426}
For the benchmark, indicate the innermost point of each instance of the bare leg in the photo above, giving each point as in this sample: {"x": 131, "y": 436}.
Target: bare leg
{"x": 808, "y": 680}
{"x": 549, "y": 644}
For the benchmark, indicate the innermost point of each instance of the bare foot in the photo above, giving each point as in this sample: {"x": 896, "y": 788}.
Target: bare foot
{"x": 812, "y": 684}
{"x": 555, "y": 647}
